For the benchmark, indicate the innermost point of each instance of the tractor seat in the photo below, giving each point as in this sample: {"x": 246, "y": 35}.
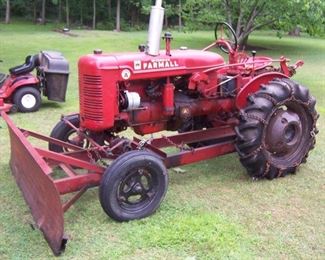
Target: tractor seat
{"x": 30, "y": 64}
{"x": 3, "y": 78}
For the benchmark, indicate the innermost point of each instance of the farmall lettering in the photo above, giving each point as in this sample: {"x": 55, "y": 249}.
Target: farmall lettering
{"x": 155, "y": 64}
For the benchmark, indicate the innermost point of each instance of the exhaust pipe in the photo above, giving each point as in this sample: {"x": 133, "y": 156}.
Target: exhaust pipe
{"x": 155, "y": 28}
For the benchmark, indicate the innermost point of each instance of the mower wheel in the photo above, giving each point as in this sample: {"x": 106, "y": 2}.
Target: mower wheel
{"x": 64, "y": 132}
{"x": 27, "y": 99}
{"x": 133, "y": 186}
{"x": 277, "y": 129}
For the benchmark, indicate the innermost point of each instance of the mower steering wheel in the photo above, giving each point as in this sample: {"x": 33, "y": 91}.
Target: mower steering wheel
{"x": 230, "y": 33}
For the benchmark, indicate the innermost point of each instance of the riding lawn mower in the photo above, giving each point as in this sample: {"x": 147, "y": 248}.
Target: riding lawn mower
{"x": 21, "y": 90}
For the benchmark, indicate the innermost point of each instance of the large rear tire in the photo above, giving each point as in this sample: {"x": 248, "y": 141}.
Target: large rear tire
{"x": 277, "y": 129}
{"x": 133, "y": 186}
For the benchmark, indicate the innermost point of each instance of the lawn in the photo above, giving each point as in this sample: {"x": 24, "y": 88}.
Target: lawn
{"x": 213, "y": 210}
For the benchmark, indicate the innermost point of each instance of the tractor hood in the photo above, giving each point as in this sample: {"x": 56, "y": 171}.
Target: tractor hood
{"x": 141, "y": 66}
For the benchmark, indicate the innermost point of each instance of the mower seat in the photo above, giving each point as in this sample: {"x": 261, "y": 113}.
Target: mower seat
{"x": 30, "y": 64}
{"x": 3, "y": 78}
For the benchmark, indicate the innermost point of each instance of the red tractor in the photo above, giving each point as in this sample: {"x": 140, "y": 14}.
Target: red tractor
{"x": 213, "y": 107}
{"x": 21, "y": 90}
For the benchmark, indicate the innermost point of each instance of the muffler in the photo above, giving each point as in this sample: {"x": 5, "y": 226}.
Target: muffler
{"x": 155, "y": 28}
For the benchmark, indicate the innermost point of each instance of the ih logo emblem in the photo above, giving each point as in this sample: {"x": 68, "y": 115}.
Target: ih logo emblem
{"x": 137, "y": 64}
{"x": 126, "y": 74}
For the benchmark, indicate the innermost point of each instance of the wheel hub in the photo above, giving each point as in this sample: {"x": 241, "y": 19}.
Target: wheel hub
{"x": 284, "y": 132}
{"x": 136, "y": 189}
{"x": 28, "y": 101}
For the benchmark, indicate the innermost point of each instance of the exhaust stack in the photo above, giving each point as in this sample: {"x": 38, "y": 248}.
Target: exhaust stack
{"x": 155, "y": 28}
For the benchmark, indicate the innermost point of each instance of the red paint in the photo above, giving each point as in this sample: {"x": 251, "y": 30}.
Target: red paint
{"x": 253, "y": 85}
{"x": 168, "y": 99}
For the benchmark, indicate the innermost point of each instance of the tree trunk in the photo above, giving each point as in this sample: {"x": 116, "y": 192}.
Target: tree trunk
{"x": 94, "y": 14}
{"x": 7, "y": 19}
{"x": 295, "y": 31}
{"x": 180, "y": 24}
{"x": 35, "y": 11}
{"x": 134, "y": 14}
{"x": 81, "y": 14}
{"x": 166, "y": 21}
{"x": 242, "y": 42}
{"x": 118, "y": 16}
{"x": 109, "y": 5}
{"x": 67, "y": 13}
{"x": 60, "y": 10}
{"x": 43, "y": 11}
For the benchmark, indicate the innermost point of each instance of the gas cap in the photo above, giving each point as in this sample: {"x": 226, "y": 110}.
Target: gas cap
{"x": 98, "y": 51}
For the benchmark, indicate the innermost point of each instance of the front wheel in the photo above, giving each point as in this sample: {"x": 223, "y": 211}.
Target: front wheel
{"x": 64, "y": 132}
{"x": 133, "y": 186}
{"x": 277, "y": 129}
{"x": 27, "y": 99}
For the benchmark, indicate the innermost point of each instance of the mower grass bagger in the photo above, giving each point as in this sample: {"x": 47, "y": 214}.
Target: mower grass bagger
{"x": 213, "y": 107}
{"x": 21, "y": 90}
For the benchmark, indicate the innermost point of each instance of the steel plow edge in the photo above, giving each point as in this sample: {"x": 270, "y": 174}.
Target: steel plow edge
{"x": 32, "y": 176}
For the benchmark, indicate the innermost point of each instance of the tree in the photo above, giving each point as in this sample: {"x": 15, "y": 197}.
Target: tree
{"x": 43, "y": 12}
{"x": 180, "y": 24}
{"x": 67, "y": 13}
{"x": 248, "y": 16}
{"x": 118, "y": 16}
{"x": 57, "y": 3}
{"x": 7, "y": 19}
{"x": 109, "y": 6}
{"x": 59, "y": 10}
{"x": 306, "y": 15}
{"x": 94, "y": 14}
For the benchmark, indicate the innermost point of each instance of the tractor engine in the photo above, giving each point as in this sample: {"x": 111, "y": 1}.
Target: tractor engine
{"x": 151, "y": 93}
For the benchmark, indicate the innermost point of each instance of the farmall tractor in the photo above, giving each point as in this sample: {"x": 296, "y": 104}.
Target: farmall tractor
{"x": 213, "y": 107}
{"x": 21, "y": 90}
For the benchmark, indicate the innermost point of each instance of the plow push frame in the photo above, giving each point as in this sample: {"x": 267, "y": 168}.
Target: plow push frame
{"x": 35, "y": 169}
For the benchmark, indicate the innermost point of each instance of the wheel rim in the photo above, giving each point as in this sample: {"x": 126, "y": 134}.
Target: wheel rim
{"x": 28, "y": 101}
{"x": 72, "y": 137}
{"x": 137, "y": 189}
{"x": 286, "y": 134}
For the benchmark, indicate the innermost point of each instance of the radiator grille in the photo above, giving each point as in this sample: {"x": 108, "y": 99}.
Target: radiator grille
{"x": 92, "y": 97}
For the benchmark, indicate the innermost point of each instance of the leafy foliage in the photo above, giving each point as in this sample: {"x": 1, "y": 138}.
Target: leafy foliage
{"x": 245, "y": 16}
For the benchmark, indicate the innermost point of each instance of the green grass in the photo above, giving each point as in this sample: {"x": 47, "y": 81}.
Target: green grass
{"x": 212, "y": 211}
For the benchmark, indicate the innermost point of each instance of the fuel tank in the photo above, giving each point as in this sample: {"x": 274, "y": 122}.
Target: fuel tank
{"x": 99, "y": 75}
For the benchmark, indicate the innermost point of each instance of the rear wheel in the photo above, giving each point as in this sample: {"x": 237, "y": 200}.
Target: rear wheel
{"x": 133, "y": 186}
{"x": 27, "y": 99}
{"x": 277, "y": 129}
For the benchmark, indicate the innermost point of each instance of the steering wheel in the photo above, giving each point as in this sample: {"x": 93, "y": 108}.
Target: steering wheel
{"x": 227, "y": 35}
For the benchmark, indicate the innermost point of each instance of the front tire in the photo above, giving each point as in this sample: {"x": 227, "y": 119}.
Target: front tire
{"x": 27, "y": 99}
{"x": 133, "y": 186}
{"x": 277, "y": 129}
{"x": 64, "y": 132}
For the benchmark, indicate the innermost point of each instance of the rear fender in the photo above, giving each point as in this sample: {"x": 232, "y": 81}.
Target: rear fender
{"x": 253, "y": 86}
{"x": 19, "y": 82}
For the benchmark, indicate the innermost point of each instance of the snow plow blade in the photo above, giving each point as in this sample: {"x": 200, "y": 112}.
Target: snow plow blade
{"x": 32, "y": 176}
